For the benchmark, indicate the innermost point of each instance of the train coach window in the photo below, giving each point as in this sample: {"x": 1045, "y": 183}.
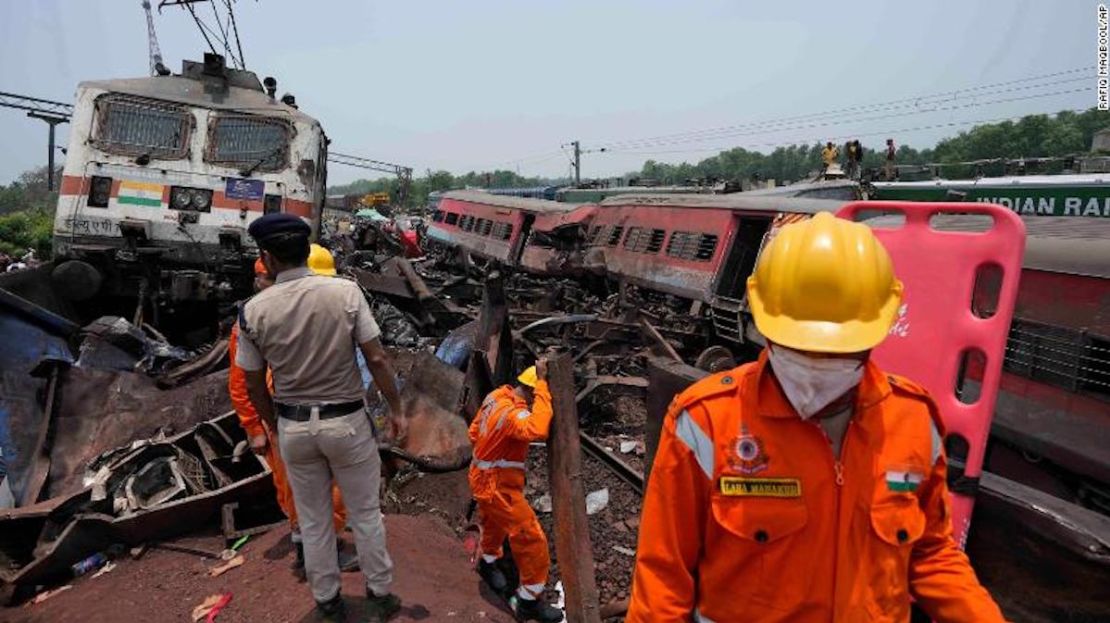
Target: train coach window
{"x": 451, "y": 218}
{"x": 248, "y": 141}
{"x": 466, "y": 223}
{"x": 484, "y": 227}
{"x": 636, "y": 240}
{"x": 135, "y": 126}
{"x": 437, "y": 216}
{"x": 694, "y": 246}
{"x": 615, "y": 235}
{"x": 707, "y": 245}
{"x": 507, "y": 232}
{"x": 655, "y": 242}
{"x": 595, "y": 233}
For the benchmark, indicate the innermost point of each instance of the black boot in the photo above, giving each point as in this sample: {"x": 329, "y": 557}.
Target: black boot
{"x": 333, "y": 610}
{"x": 535, "y": 610}
{"x": 381, "y": 608}
{"x": 493, "y": 576}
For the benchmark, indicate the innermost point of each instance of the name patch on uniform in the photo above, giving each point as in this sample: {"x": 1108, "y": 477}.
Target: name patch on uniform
{"x": 761, "y": 487}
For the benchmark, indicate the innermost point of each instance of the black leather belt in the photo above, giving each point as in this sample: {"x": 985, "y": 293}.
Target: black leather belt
{"x": 303, "y": 413}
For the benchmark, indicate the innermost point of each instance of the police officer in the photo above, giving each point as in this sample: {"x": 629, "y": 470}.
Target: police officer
{"x": 808, "y": 486}
{"x": 306, "y": 329}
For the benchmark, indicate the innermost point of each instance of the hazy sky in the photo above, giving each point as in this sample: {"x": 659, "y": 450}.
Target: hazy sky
{"x": 480, "y": 84}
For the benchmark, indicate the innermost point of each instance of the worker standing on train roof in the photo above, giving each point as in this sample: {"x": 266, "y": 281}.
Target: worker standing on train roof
{"x": 307, "y": 328}
{"x": 829, "y": 154}
{"x": 501, "y": 433}
{"x": 809, "y": 485}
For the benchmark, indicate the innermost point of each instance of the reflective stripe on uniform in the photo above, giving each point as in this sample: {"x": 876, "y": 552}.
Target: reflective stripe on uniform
{"x": 688, "y": 431}
{"x": 499, "y": 463}
{"x": 938, "y": 443}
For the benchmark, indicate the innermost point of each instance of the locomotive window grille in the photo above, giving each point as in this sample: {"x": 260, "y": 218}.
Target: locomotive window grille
{"x": 484, "y": 227}
{"x": 451, "y": 218}
{"x": 134, "y": 126}
{"x": 615, "y": 235}
{"x": 248, "y": 141}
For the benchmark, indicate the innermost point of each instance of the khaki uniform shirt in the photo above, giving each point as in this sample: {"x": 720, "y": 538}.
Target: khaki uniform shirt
{"x": 307, "y": 328}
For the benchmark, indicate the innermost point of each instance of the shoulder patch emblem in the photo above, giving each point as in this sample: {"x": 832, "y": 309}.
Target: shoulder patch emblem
{"x": 746, "y": 454}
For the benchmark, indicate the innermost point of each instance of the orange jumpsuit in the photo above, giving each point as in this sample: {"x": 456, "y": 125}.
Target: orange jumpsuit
{"x": 252, "y": 424}
{"x": 500, "y": 434}
{"x": 749, "y": 516}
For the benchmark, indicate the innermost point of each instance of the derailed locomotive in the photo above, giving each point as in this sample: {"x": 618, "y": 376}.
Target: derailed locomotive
{"x": 163, "y": 176}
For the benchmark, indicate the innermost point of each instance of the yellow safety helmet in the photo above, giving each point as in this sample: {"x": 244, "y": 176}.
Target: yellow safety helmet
{"x": 824, "y": 285}
{"x": 320, "y": 261}
{"x": 528, "y": 377}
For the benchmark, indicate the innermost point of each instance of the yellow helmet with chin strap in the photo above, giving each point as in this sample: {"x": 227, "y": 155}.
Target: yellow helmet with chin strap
{"x": 528, "y": 377}
{"x": 824, "y": 285}
{"x": 320, "y": 261}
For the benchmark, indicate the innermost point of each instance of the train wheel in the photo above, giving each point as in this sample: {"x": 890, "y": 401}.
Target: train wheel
{"x": 76, "y": 280}
{"x": 715, "y": 359}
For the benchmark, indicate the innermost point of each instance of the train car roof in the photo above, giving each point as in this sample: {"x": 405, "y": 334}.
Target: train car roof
{"x": 1061, "y": 244}
{"x": 193, "y": 92}
{"x": 735, "y": 201}
{"x": 801, "y": 187}
{"x": 1078, "y": 179}
{"x": 539, "y": 206}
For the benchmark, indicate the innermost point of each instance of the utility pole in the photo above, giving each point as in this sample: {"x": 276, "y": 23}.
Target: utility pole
{"x": 577, "y": 163}
{"x": 49, "y": 111}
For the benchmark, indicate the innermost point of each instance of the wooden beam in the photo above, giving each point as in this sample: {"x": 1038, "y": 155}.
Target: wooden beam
{"x": 564, "y": 463}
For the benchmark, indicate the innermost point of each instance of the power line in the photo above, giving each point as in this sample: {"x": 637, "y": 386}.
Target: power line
{"x": 805, "y": 126}
{"x": 810, "y": 141}
{"x": 887, "y": 105}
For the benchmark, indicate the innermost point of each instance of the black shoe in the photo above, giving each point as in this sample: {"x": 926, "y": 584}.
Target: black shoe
{"x": 535, "y": 610}
{"x": 332, "y": 611}
{"x": 383, "y": 608}
{"x": 347, "y": 561}
{"x": 493, "y": 576}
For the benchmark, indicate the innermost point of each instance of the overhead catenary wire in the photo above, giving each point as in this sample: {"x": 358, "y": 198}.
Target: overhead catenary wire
{"x": 805, "y": 126}
{"x": 876, "y": 107}
{"x": 809, "y": 141}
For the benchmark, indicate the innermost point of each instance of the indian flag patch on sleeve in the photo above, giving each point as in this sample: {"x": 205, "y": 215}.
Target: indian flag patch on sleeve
{"x": 140, "y": 194}
{"x": 903, "y": 481}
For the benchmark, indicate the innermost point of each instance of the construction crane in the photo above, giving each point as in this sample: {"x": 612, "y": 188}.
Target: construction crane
{"x": 156, "y": 66}
{"x": 53, "y": 113}
{"x": 403, "y": 173}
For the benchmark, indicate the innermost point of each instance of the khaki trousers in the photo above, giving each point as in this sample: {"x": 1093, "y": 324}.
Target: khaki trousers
{"x": 344, "y": 448}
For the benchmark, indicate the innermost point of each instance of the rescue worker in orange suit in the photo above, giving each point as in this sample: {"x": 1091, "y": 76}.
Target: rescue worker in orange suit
{"x": 501, "y": 433}
{"x": 263, "y": 441}
{"x": 808, "y": 486}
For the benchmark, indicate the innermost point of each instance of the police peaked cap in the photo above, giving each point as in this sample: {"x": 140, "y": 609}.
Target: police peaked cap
{"x": 271, "y": 225}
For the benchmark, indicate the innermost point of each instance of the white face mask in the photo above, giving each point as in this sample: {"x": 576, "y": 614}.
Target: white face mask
{"x": 811, "y": 383}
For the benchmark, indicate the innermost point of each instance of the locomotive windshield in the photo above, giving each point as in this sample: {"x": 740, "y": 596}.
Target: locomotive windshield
{"x": 248, "y": 141}
{"x": 136, "y": 126}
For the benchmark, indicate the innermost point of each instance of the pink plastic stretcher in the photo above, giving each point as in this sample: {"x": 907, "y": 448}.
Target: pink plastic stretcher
{"x": 936, "y": 324}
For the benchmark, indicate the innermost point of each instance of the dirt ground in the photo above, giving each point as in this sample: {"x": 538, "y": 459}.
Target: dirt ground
{"x": 432, "y": 576}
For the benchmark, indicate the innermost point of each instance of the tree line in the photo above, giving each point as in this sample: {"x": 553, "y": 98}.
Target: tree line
{"x": 1033, "y": 136}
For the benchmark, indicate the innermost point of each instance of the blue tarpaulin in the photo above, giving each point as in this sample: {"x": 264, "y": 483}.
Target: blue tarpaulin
{"x": 29, "y": 335}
